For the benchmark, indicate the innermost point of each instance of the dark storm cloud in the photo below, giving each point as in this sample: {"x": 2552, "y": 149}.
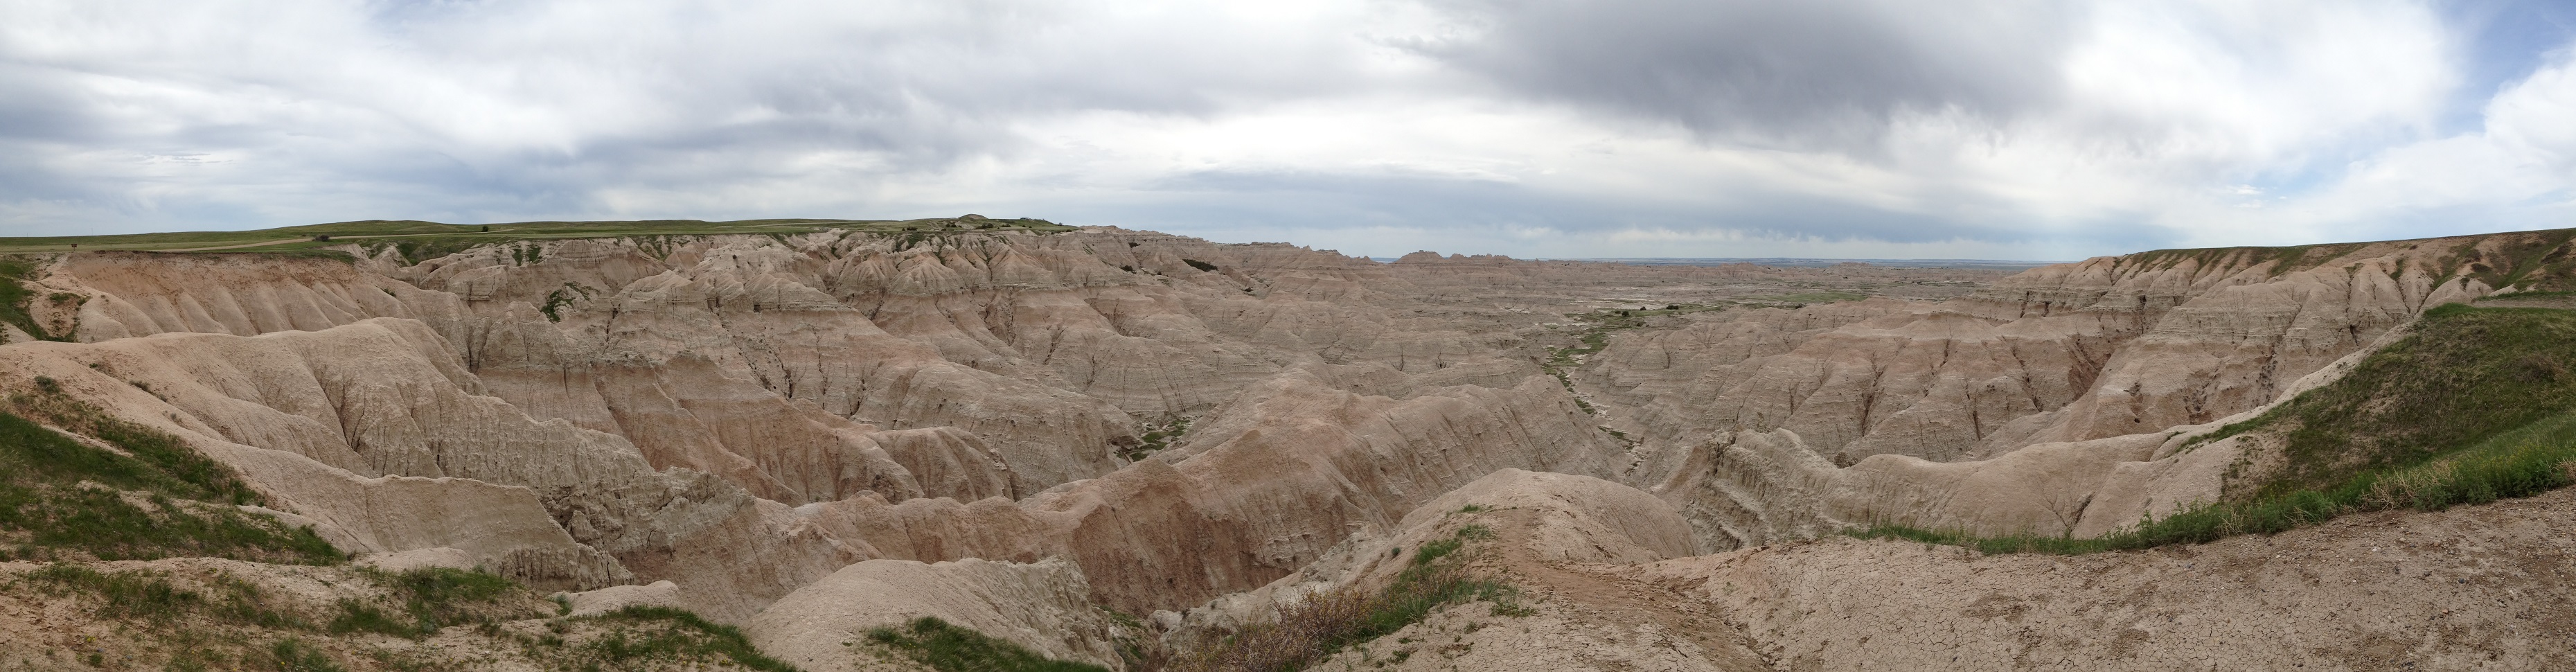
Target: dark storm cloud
{"x": 1829, "y": 72}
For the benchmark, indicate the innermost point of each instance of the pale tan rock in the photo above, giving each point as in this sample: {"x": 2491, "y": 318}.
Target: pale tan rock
{"x": 1042, "y": 606}
{"x": 594, "y": 602}
{"x": 1297, "y": 469}
{"x": 1552, "y": 518}
{"x": 2448, "y": 590}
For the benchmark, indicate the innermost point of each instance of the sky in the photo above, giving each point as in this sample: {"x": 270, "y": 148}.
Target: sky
{"x": 1972, "y": 129}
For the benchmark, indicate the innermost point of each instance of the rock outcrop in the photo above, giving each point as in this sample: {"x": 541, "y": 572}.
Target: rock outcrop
{"x": 2018, "y": 407}
{"x": 1044, "y": 607}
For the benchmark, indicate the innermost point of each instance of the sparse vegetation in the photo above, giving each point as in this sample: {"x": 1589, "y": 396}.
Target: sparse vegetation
{"x": 2472, "y": 408}
{"x": 563, "y": 296}
{"x": 1303, "y": 634}
{"x": 292, "y": 655}
{"x": 149, "y": 596}
{"x": 15, "y": 297}
{"x": 1157, "y": 437}
{"x": 948, "y": 648}
{"x": 429, "y": 599}
{"x": 640, "y": 635}
{"x": 2465, "y": 375}
{"x": 60, "y": 496}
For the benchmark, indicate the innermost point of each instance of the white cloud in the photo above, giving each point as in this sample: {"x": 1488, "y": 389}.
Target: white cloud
{"x": 2004, "y": 129}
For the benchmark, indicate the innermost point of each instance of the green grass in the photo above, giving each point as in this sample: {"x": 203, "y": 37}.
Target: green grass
{"x": 44, "y": 511}
{"x": 430, "y": 598}
{"x": 1157, "y": 438}
{"x": 649, "y": 634}
{"x": 15, "y": 297}
{"x": 1326, "y": 623}
{"x": 127, "y": 594}
{"x": 2465, "y": 375}
{"x": 417, "y": 240}
{"x": 292, "y": 655}
{"x": 2476, "y": 406}
{"x": 149, "y": 596}
{"x": 948, "y": 648}
{"x": 2517, "y": 464}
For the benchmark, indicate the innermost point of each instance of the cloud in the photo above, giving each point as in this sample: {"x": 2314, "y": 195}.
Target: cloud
{"x": 1991, "y": 128}
{"x": 1828, "y": 73}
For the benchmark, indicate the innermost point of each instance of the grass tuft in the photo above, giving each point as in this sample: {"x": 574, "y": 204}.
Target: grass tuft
{"x": 948, "y": 648}
{"x": 292, "y": 655}
{"x": 646, "y": 634}
{"x": 431, "y": 598}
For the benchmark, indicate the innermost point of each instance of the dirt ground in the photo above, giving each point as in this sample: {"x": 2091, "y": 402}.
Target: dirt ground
{"x": 2472, "y": 588}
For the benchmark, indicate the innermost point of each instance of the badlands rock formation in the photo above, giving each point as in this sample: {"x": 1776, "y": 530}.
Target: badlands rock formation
{"x": 816, "y": 434}
{"x": 2476, "y": 588}
{"x": 2004, "y": 411}
{"x": 685, "y": 408}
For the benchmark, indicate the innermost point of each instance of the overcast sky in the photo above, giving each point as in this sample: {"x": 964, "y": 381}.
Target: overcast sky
{"x": 1537, "y": 128}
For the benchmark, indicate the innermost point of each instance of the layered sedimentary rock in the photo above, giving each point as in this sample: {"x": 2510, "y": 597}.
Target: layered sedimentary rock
{"x": 744, "y": 415}
{"x": 372, "y": 428}
{"x": 674, "y": 405}
{"x": 2043, "y": 390}
{"x": 1254, "y": 502}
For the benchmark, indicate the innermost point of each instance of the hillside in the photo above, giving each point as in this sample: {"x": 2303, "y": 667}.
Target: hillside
{"x": 1125, "y": 449}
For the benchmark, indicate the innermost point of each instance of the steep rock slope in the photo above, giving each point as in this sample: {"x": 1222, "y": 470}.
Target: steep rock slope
{"x": 1311, "y": 465}
{"x": 372, "y": 428}
{"x": 1044, "y": 607}
{"x": 671, "y": 402}
{"x": 2058, "y": 375}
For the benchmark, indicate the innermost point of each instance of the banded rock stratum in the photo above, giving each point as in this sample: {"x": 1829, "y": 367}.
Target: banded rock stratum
{"x": 1075, "y": 439}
